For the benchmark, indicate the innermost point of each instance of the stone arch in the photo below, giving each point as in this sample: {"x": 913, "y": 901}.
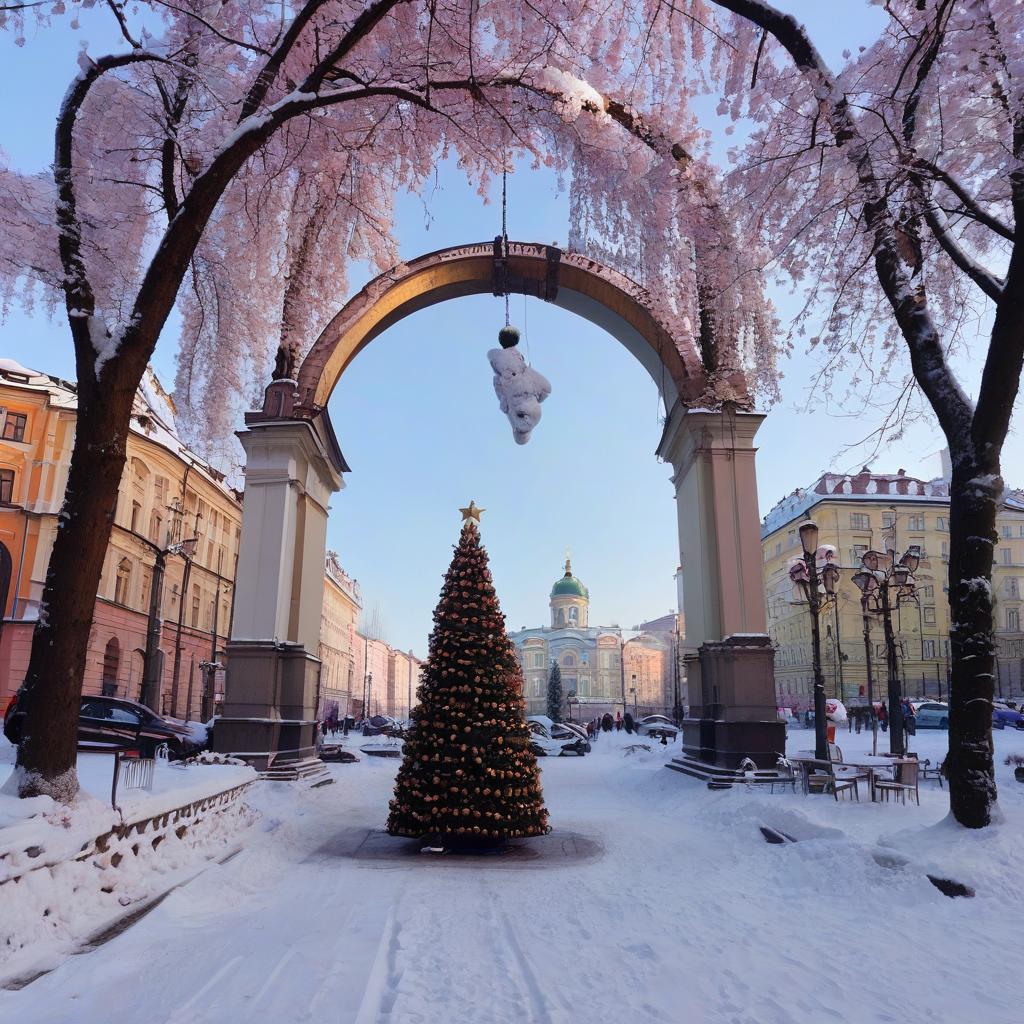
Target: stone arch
{"x": 569, "y": 280}
{"x": 294, "y": 464}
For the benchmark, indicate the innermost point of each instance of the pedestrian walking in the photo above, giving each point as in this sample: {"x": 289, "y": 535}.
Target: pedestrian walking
{"x": 618, "y": 721}
{"x": 883, "y": 717}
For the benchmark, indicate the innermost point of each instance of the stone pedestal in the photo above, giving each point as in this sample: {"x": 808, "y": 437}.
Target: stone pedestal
{"x": 269, "y": 714}
{"x": 729, "y": 658}
{"x": 273, "y": 675}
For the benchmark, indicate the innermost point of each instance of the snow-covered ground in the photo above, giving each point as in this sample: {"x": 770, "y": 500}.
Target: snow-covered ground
{"x": 51, "y": 902}
{"x": 687, "y": 916}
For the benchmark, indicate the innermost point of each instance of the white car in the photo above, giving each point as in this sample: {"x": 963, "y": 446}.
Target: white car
{"x": 657, "y": 725}
{"x": 544, "y": 744}
{"x": 931, "y": 715}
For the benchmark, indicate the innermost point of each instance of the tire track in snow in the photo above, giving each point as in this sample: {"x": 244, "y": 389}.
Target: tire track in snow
{"x": 534, "y": 992}
{"x": 183, "y": 1012}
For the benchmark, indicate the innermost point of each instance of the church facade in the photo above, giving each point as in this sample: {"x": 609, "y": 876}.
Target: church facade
{"x": 590, "y": 657}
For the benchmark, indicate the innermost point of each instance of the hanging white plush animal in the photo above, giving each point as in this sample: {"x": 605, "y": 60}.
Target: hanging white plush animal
{"x": 520, "y": 388}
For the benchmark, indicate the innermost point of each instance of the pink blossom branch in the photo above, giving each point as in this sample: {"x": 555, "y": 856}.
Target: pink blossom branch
{"x": 931, "y": 368}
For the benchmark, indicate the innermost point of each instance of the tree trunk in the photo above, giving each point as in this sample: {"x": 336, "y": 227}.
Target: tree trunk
{"x": 973, "y": 502}
{"x": 53, "y": 682}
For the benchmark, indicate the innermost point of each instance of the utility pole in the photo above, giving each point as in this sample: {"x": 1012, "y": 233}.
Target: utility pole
{"x": 175, "y": 672}
{"x": 152, "y": 660}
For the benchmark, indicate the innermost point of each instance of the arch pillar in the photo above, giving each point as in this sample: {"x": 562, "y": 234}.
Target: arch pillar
{"x": 730, "y": 660}
{"x": 292, "y": 467}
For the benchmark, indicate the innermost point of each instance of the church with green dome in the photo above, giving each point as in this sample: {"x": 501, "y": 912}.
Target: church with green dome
{"x": 590, "y": 657}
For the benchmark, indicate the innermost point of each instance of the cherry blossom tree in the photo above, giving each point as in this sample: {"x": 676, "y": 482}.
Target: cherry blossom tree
{"x": 892, "y": 190}
{"x": 233, "y": 158}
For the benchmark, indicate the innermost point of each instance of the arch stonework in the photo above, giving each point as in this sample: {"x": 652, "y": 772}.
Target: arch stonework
{"x": 294, "y": 464}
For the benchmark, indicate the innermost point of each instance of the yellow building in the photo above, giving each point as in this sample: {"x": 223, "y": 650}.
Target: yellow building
{"x": 864, "y": 511}
{"x": 167, "y": 495}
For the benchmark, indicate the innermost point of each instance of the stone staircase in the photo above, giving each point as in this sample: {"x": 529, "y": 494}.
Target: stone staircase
{"x": 726, "y": 778}
{"x": 310, "y": 771}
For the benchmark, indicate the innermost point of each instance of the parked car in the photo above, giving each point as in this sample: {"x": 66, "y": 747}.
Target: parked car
{"x": 120, "y": 725}
{"x": 932, "y": 715}
{"x": 543, "y": 744}
{"x": 378, "y": 725}
{"x": 569, "y": 731}
{"x": 658, "y": 726}
{"x": 1004, "y": 716}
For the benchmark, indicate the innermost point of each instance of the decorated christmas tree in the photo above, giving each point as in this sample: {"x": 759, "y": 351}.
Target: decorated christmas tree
{"x": 468, "y": 774}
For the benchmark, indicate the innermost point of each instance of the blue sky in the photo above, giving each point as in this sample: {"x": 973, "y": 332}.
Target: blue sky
{"x": 418, "y": 421}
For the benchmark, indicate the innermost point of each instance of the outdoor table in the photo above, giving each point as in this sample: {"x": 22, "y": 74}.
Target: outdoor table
{"x": 871, "y": 763}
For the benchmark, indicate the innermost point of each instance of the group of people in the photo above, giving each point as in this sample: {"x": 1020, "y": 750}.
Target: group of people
{"x": 862, "y": 718}
{"x": 605, "y": 723}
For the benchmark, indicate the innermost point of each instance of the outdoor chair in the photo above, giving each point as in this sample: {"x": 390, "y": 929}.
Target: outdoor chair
{"x": 904, "y": 781}
{"x": 785, "y": 775}
{"x": 822, "y": 777}
{"x": 928, "y": 772}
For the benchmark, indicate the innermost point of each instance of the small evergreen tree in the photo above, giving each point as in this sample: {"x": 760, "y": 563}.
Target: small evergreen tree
{"x": 555, "y": 693}
{"x": 468, "y": 773}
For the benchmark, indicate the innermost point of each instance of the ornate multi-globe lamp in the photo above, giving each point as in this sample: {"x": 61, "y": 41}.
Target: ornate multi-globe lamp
{"x": 818, "y": 587}
{"x": 884, "y": 584}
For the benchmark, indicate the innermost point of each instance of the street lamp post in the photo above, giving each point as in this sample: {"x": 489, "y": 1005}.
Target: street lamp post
{"x": 867, "y": 665}
{"x": 632, "y": 690}
{"x": 151, "y": 669}
{"x": 885, "y": 584}
{"x": 818, "y": 589}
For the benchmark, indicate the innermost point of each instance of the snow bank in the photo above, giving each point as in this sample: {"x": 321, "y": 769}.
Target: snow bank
{"x": 68, "y": 871}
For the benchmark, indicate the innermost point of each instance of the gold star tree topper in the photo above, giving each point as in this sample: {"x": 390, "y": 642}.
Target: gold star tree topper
{"x": 471, "y": 514}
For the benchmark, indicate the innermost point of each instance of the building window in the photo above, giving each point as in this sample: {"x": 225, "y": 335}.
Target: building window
{"x": 1013, "y": 620}
{"x": 928, "y": 649}
{"x": 1005, "y": 531}
{"x": 778, "y": 548}
{"x": 940, "y": 522}
{"x": 136, "y": 516}
{"x": 945, "y": 549}
{"x": 155, "y": 522}
{"x": 6, "y": 486}
{"x": 857, "y": 552}
{"x": 860, "y": 521}
{"x": 1012, "y": 587}
{"x": 569, "y": 660}
{"x": 123, "y": 582}
{"x": 196, "y": 603}
{"x": 915, "y": 523}
{"x": 574, "y": 615}
{"x": 888, "y": 520}
{"x": 14, "y": 426}
{"x": 1007, "y": 556}
{"x": 1020, "y": 530}
{"x": 929, "y": 616}
{"x": 111, "y": 661}
{"x": 928, "y": 591}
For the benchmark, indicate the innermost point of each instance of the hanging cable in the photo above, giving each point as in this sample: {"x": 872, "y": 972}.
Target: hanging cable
{"x": 526, "y": 329}
{"x": 504, "y": 223}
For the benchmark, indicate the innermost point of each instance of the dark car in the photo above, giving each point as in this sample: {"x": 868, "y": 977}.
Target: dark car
{"x": 117, "y": 724}
{"x": 1003, "y": 717}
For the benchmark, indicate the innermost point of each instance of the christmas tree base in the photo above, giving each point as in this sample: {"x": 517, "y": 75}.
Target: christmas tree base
{"x": 374, "y": 846}
{"x": 467, "y": 846}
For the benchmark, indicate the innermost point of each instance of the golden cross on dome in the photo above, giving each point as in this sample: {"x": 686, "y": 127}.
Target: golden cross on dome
{"x": 471, "y": 513}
